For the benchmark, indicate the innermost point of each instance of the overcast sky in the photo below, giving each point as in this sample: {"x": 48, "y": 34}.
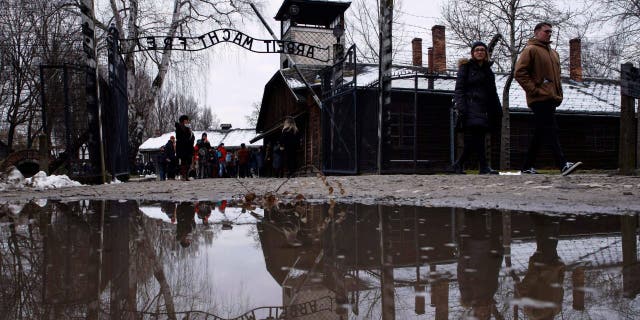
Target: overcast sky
{"x": 236, "y": 77}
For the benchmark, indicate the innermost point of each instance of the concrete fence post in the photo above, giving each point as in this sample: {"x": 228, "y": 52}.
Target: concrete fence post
{"x": 630, "y": 88}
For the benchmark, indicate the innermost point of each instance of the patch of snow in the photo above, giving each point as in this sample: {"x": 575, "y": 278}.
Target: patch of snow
{"x": 40, "y": 181}
{"x": 16, "y": 208}
{"x": 528, "y": 302}
{"x": 15, "y": 176}
{"x": 510, "y": 173}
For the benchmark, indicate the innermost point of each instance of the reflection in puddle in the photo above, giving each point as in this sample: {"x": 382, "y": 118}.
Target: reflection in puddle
{"x": 125, "y": 260}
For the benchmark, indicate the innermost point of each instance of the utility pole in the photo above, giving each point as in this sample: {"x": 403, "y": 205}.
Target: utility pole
{"x": 630, "y": 91}
{"x": 87, "y": 9}
{"x": 385, "y": 59}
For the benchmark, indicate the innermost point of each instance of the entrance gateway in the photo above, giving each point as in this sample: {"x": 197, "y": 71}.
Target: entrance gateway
{"x": 311, "y": 46}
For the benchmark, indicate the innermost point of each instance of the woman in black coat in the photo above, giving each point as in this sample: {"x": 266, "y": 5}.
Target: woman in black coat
{"x": 289, "y": 141}
{"x": 184, "y": 145}
{"x": 476, "y": 100}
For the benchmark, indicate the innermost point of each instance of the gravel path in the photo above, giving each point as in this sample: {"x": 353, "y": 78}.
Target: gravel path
{"x": 579, "y": 193}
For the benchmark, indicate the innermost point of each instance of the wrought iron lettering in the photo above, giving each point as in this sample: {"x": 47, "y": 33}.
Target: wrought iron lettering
{"x": 151, "y": 42}
{"x": 215, "y": 37}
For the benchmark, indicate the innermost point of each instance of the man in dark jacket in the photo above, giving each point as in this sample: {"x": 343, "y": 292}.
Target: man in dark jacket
{"x": 170, "y": 158}
{"x": 184, "y": 145}
{"x": 538, "y": 73}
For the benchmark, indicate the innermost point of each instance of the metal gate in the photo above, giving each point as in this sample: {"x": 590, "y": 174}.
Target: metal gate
{"x": 115, "y": 117}
{"x": 70, "y": 118}
{"x": 339, "y": 120}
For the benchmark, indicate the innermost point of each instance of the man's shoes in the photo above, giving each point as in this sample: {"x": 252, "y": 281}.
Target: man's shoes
{"x": 529, "y": 171}
{"x": 570, "y": 167}
{"x": 488, "y": 170}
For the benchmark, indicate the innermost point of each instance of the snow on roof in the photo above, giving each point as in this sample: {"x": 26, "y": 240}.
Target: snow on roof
{"x": 590, "y": 95}
{"x": 231, "y": 139}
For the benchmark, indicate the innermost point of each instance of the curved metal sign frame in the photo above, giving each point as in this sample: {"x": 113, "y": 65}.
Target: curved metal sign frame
{"x": 217, "y": 36}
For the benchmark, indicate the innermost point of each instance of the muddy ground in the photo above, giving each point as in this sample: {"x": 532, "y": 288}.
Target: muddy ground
{"x": 579, "y": 193}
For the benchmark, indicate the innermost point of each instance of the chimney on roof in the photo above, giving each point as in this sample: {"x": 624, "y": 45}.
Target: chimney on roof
{"x": 416, "y": 45}
{"x": 225, "y": 126}
{"x": 439, "y": 49}
{"x": 430, "y": 59}
{"x": 575, "y": 59}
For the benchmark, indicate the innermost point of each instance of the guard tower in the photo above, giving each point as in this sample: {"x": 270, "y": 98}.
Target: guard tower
{"x": 316, "y": 22}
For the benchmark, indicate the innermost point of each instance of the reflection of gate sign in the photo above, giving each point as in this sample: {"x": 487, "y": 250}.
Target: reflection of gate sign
{"x": 225, "y": 35}
{"x": 285, "y": 312}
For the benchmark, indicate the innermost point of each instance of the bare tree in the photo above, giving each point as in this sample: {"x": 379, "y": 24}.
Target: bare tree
{"x": 471, "y": 20}
{"x": 602, "y": 59}
{"x": 252, "y": 118}
{"x": 362, "y": 29}
{"x": 208, "y": 119}
{"x": 32, "y": 33}
{"x": 18, "y": 34}
{"x": 624, "y": 17}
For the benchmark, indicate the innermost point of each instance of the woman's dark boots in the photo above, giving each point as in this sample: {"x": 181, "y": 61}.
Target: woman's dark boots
{"x": 488, "y": 170}
{"x": 457, "y": 168}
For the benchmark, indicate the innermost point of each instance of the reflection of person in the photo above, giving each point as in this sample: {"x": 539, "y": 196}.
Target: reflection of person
{"x": 290, "y": 139}
{"x": 184, "y": 145}
{"x": 477, "y": 102}
{"x": 538, "y": 73}
{"x": 169, "y": 208}
{"x": 185, "y": 213}
{"x": 203, "y": 211}
{"x": 479, "y": 262}
{"x": 545, "y": 275}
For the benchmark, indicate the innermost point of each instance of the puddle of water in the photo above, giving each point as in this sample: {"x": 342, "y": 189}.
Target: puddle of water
{"x": 118, "y": 260}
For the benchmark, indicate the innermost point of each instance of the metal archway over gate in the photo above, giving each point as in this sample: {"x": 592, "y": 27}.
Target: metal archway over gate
{"x": 212, "y": 38}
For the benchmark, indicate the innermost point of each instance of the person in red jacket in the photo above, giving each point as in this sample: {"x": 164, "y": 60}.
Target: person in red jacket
{"x": 222, "y": 154}
{"x": 243, "y": 161}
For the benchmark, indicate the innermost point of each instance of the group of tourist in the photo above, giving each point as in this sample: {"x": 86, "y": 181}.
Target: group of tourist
{"x": 180, "y": 158}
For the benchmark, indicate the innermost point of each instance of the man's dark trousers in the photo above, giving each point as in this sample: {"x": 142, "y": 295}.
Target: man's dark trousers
{"x": 546, "y": 131}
